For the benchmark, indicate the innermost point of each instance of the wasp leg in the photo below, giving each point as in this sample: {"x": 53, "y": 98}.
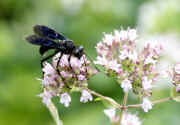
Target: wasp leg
{"x": 58, "y": 63}
{"x": 48, "y": 57}
{"x": 57, "y": 69}
{"x": 69, "y": 61}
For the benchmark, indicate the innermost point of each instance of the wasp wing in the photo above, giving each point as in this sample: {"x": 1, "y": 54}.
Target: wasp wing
{"x": 47, "y": 32}
{"x": 44, "y": 49}
{"x": 36, "y": 40}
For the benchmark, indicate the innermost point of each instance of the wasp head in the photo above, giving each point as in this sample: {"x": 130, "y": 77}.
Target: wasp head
{"x": 78, "y": 52}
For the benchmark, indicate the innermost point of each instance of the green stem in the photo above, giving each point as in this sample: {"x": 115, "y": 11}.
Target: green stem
{"x": 154, "y": 102}
{"x": 108, "y": 99}
{"x": 122, "y": 109}
{"x": 54, "y": 112}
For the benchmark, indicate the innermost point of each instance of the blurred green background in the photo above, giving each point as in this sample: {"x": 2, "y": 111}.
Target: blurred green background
{"x": 83, "y": 21}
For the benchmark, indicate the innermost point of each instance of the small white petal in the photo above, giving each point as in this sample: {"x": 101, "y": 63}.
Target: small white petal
{"x": 149, "y": 59}
{"x": 48, "y": 69}
{"x": 177, "y": 68}
{"x": 123, "y": 35}
{"x": 132, "y": 34}
{"x": 126, "y": 85}
{"x": 110, "y": 113}
{"x": 65, "y": 99}
{"x": 108, "y": 39}
{"x": 147, "y": 84}
{"x": 114, "y": 65}
{"x": 130, "y": 119}
{"x": 146, "y": 104}
{"x": 85, "y": 96}
{"x": 133, "y": 56}
{"x": 124, "y": 54}
{"x": 178, "y": 88}
{"x": 46, "y": 96}
{"x": 101, "y": 61}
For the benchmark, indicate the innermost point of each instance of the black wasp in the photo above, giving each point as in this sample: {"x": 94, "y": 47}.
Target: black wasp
{"x": 45, "y": 37}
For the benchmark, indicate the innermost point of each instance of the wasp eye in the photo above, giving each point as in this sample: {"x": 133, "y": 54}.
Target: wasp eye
{"x": 78, "y": 52}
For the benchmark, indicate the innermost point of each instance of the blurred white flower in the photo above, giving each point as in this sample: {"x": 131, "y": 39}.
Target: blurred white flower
{"x": 81, "y": 77}
{"x": 178, "y": 88}
{"x": 130, "y": 119}
{"x": 177, "y": 68}
{"x": 65, "y": 99}
{"x": 126, "y": 85}
{"x": 132, "y": 34}
{"x": 48, "y": 69}
{"x": 114, "y": 65}
{"x": 147, "y": 84}
{"x": 146, "y": 104}
{"x": 46, "y": 96}
{"x": 149, "y": 59}
{"x": 101, "y": 61}
{"x": 85, "y": 96}
{"x": 133, "y": 56}
{"x": 124, "y": 54}
{"x": 124, "y": 35}
{"x": 110, "y": 113}
{"x": 108, "y": 39}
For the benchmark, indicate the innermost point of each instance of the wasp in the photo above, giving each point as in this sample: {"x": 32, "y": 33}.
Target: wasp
{"x": 49, "y": 39}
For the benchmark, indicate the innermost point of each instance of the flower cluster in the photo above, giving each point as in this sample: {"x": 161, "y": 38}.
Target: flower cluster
{"x": 119, "y": 56}
{"x": 127, "y": 118}
{"x": 133, "y": 68}
{"x": 174, "y": 75}
{"x": 72, "y": 76}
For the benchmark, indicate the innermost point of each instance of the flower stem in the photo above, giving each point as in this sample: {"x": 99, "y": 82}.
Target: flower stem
{"x": 54, "y": 112}
{"x": 108, "y": 99}
{"x": 154, "y": 102}
{"x": 122, "y": 109}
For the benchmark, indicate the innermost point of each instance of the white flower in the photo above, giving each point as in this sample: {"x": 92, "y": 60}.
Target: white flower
{"x": 133, "y": 56}
{"x": 65, "y": 74}
{"x": 111, "y": 113}
{"x": 65, "y": 99}
{"x": 48, "y": 69}
{"x": 114, "y": 65}
{"x": 177, "y": 68}
{"x": 178, "y": 88}
{"x": 85, "y": 96}
{"x": 117, "y": 35}
{"x": 81, "y": 77}
{"x": 126, "y": 85}
{"x": 130, "y": 119}
{"x": 48, "y": 80}
{"x": 46, "y": 97}
{"x": 75, "y": 62}
{"x": 132, "y": 34}
{"x": 124, "y": 54}
{"x": 149, "y": 59}
{"x": 108, "y": 39}
{"x": 147, "y": 84}
{"x": 64, "y": 60}
{"x": 146, "y": 104}
{"x": 101, "y": 61}
{"x": 123, "y": 35}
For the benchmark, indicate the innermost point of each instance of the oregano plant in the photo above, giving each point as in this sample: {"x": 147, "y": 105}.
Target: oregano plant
{"x": 135, "y": 69}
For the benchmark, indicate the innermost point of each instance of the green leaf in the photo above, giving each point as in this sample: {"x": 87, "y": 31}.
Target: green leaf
{"x": 98, "y": 99}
